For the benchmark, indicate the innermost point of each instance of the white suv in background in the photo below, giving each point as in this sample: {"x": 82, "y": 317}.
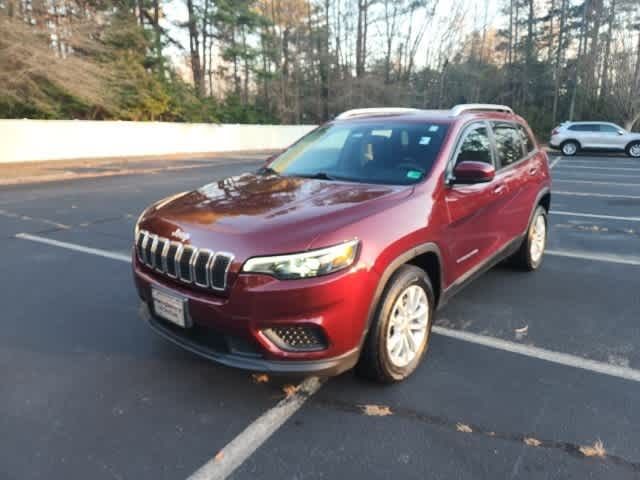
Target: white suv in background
{"x": 570, "y": 137}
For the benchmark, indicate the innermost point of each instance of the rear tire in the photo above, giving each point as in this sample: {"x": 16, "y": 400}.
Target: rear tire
{"x": 569, "y": 148}
{"x": 633, "y": 149}
{"x": 530, "y": 254}
{"x": 397, "y": 339}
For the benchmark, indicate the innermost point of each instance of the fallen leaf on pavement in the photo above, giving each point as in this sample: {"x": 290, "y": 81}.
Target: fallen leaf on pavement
{"x": 595, "y": 450}
{"x": 289, "y": 390}
{"x": 260, "y": 377}
{"x": 376, "y": 410}
{"x": 219, "y": 456}
{"x": 464, "y": 428}
{"x": 532, "y": 442}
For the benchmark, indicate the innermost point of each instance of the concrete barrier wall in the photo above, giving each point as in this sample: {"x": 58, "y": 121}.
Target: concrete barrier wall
{"x": 33, "y": 140}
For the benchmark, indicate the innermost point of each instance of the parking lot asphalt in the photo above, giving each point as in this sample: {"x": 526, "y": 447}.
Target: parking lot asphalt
{"x": 88, "y": 391}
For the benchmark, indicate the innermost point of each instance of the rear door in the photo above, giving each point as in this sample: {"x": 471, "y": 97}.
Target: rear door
{"x": 514, "y": 172}
{"x": 470, "y": 237}
{"x": 590, "y": 136}
{"x": 583, "y": 133}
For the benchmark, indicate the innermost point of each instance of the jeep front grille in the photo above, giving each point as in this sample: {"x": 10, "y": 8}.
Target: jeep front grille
{"x": 186, "y": 263}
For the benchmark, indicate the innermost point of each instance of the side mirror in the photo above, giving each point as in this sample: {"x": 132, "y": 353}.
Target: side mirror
{"x": 470, "y": 172}
{"x": 621, "y": 132}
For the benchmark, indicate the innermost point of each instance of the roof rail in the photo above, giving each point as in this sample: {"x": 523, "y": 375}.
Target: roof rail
{"x": 488, "y": 107}
{"x": 356, "y": 112}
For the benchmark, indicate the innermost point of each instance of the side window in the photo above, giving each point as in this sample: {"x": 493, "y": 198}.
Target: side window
{"x": 476, "y": 146}
{"x": 584, "y": 128}
{"x": 604, "y": 128}
{"x": 529, "y": 144}
{"x": 508, "y": 143}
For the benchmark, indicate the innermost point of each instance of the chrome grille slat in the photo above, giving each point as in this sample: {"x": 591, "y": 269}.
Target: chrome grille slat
{"x": 183, "y": 262}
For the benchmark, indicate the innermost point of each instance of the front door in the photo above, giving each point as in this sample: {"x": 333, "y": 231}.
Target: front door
{"x": 470, "y": 236}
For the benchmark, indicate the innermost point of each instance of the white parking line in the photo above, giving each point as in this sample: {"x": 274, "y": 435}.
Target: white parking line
{"x": 542, "y": 354}
{"x": 598, "y": 174}
{"x": 581, "y": 167}
{"x": 597, "y": 257}
{"x": 554, "y": 162}
{"x": 594, "y": 215}
{"x": 252, "y": 437}
{"x": 78, "y": 248}
{"x": 593, "y": 182}
{"x": 588, "y": 194}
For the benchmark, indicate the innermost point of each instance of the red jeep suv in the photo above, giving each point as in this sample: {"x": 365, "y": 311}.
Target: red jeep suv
{"x": 336, "y": 253}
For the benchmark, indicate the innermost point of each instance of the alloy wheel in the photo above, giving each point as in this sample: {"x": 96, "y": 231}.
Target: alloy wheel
{"x": 408, "y": 325}
{"x": 538, "y": 238}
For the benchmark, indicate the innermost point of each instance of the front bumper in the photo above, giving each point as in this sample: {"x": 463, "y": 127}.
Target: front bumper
{"x": 227, "y": 356}
{"x": 230, "y": 329}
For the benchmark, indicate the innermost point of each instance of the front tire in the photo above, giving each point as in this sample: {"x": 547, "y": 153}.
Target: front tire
{"x": 400, "y": 331}
{"x": 569, "y": 148}
{"x": 633, "y": 149}
{"x": 529, "y": 255}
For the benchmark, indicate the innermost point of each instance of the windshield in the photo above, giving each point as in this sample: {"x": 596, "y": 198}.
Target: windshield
{"x": 388, "y": 153}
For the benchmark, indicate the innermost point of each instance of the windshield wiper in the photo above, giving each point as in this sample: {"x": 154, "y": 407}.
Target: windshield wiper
{"x": 267, "y": 171}
{"x": 317, "y": 176}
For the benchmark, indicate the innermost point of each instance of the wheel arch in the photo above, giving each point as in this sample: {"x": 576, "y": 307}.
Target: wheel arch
{"x": 631, "y": 142}
{"x": 426, "y": 256}
{"x": 573, "y": 140}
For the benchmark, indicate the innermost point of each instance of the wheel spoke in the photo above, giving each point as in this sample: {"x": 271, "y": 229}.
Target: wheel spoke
{"x": 394, "y": 342}
{"x": 411, "y": 344}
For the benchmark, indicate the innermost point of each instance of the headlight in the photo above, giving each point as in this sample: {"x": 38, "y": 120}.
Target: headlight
{"x": 307, "y": 264}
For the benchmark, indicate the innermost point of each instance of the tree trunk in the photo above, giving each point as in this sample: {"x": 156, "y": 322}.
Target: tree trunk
{"x": 628, "y": 125}
{"x": 577, "y": 69}
{"x": 636, "y": 93}
{"x": 604, "y": 87}
{"x": 556, "y": 89}
{"x": 194, "y": 49}
{"x": 205, "y": 30}
{"x": 245, "y": 89}
{"x": 324, "y": 65}
{"x": 157, "y": 32}
{"x": 359, "y": 41}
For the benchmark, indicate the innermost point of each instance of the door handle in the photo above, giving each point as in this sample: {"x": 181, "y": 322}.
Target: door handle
{"x": 533, "y": 170}
{"x": 499, "y": 189}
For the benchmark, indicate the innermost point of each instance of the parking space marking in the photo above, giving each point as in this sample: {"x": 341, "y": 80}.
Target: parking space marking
{"x": 541, "y": 354}
{"x": 589, "y": 194}
{"x": 553, "y": 163}
{"x": 594, "y": 215}
{"x": 594, "y": 182}
{"x": 258, "y": 432}
{"x": 599, "y": 175}
{"x": 73, "y": 246}
{"x": 580, "y": 167}
{"x": 597, "y": 257}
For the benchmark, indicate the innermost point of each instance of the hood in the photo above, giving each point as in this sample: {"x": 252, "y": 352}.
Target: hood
{"x": 252, "y": 215}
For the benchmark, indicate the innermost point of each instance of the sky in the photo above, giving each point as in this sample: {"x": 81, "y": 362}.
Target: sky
{"x": 176, "y": 12}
